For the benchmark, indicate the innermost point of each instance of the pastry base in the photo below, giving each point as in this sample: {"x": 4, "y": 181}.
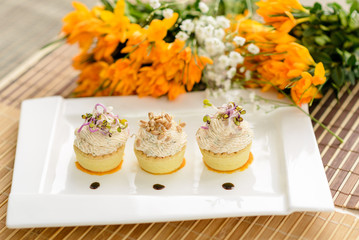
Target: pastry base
{"x": 161, "y": 165}
{"x": 226, "y": 161}
{"x": 244, "y": 167}
{"x": 79, "y": 167}
{"x": 99, "y": 164}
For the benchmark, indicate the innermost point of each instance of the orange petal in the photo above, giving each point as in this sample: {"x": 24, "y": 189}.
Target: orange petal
{"x": 319, "y": 70}
{"x": 169, "y": 22}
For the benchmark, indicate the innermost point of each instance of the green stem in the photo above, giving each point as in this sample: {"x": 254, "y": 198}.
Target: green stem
{"x": 301, "y": 109}
{"x": 250, "y": 8}
{"x": 321, "y": 124}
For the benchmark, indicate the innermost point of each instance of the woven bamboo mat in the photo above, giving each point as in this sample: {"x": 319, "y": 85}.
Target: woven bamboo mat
{"x": 53, "y": 75}
{"x": 26, "y": 26}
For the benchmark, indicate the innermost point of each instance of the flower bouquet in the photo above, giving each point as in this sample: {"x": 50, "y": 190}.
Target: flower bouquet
{"x": 162, "y": 48}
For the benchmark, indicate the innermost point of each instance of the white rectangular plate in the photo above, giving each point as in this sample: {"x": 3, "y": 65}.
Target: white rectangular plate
{"x": 48, "y": 190}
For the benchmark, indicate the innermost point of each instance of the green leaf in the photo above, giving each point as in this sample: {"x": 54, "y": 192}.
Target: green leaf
{"x": 324, "y": 28}
{"x": 352, "y": 60}
{"x": 354, "y": 6}
{"x": 107, "y": 5}
{"x": 322, "y": 40}
{"x": 308, "y": 41}
{"x": 309, "y": 32}
{"x": 337, "y": 38}
{"x": 356, "y": 72}
{"x": 343, "y": 18}
{"x": 351, "y": 77}
{"x": 316, "y": 7}
{"x": 338, "y": 76}
{"x": 335, "y": 6}
{"x": 322, "y": 57}
{"x": 347, "y": 44}
{"x": 354, "y": 20}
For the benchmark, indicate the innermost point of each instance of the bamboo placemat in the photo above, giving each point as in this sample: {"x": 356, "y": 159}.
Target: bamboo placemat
{"x": 53, "y": 75}
{"x": 340, "y": 160}
{"x": 26, "y": 26}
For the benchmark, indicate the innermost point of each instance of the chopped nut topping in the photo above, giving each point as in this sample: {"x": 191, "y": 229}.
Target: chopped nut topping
{"x": 182, "y": 124}
{"x": 151, "y": 123}
{"x": 179, "y": 129}
{"x": 160, "y": 136}
{"x": 168, "y": 117}
{"x": 150, "y": 115}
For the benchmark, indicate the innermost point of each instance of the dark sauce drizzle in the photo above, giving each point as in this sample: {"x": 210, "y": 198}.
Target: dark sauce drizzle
{"x": 228, "y": 186}
{"x": 158, "y": 186}
{"x": 94, "y": 185}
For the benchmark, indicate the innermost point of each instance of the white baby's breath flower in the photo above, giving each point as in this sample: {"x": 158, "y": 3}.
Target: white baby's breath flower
{"x": 167, "y": 13}
{"x": 240, "y": 41}
{"x": 219, "y": 33}
{"x": 208, "y": 31}
{"x": 219, "y": 46}
{"x": 231, "y": 72}
{"x": 202, "y": 52}
{"x": 182, "y": 36}
{"x": 242, "y": 69}
{"x": 236, "y": 58}
{"x": 229, "y": 46}
{"x": 214, "y": 46}
{"x": 211, "y": 51}
{"x": 203, "y": 7}
{"x": 208, "y": 20}
{"x": 155, "y": 4}
{"x": 248, "y": 75}
{"x": 218, "y": 80}
{"x": 187, "y": 26}
{"x": 223, "y": 61}
{"x": 253, "y": 49}
{"x": 223, "y": 22}
{"x": 211, "y": 75}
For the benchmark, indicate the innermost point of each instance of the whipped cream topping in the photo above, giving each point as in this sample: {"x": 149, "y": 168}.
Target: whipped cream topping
{"x": 224, "y": 136}
{"x": 97, "y": 144}
{"x": 161, "y": 143}
{"x": 102, "y": 132}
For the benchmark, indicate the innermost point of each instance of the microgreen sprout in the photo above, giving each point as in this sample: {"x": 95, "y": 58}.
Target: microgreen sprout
{"x": 104, "y": 121}
{"x": 230, "y": 111}
{"x": 206, "y": 103}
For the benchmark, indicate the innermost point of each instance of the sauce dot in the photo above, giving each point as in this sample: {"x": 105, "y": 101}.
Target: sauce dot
{"x": 94, "y": 185}
{"x": 228, "y": 186}
{"x": 158, "y": 186}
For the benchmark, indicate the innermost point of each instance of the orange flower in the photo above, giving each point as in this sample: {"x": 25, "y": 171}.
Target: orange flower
{"x": 81, "y": 26}
{"x": 123, "y": 76}
{"x": 175, "y": 90}
{"x": 91, "y": 79}
{"x": 305, "y": 89}
{"x": 146, "y": 65}
{"x": 115, "y": 29}
{"x": 278, "y": 13}
{"x": 319, "y": 74}
{"x": 82, "y": 60}
{"x": 157, "y": 30}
